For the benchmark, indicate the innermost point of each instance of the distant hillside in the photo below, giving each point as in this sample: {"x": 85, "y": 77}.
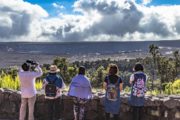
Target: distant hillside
{"x": 72, "y": 48}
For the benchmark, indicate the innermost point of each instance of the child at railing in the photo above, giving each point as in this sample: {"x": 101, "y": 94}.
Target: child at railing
{"x": 138, "y": 81}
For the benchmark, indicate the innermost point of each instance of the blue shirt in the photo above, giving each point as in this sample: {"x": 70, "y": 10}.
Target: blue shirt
{"x": 55, "y": 79}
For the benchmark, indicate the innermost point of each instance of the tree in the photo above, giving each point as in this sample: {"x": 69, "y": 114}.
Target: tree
{"x": 62, "y": 64}
{"x": 154, "y": 50}
{"x": 176, "y": 57}
{"x": 166, "y": 70}
{"x": 99, "y": 76}
{"x": 72, "y": 71}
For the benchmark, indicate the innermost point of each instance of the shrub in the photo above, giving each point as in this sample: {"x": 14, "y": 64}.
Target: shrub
{"x": 154, "y": 92}
{"x": 11, "y": 82}
{"x": 172, "y": 87}
{"x": 7, "y": 81}
{"x": 127, "y": 89}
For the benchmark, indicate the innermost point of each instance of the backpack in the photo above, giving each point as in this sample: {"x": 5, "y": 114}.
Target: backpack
{"x": 139, "y": 87}
{"x": 50, "y": 88}
{"x": 112, "y": 93}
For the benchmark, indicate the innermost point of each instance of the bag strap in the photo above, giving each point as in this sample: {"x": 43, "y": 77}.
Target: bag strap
{"x": 51, "y": 82}
{"x": 118, "y": 81}
{"x": 108, "y": 81}
{"x": 135, "y": 80}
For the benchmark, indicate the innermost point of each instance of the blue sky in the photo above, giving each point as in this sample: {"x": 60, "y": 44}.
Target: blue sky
{"x": 47, "y": 5}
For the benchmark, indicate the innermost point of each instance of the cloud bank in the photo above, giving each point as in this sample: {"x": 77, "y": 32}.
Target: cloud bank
{"x": 100, "y": 20}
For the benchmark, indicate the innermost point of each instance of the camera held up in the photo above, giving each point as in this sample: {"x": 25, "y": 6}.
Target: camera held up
{"x": 33, "y": 64}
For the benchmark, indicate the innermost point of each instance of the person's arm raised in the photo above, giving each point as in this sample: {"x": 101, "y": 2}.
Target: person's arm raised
{"x": 39, "y": 71}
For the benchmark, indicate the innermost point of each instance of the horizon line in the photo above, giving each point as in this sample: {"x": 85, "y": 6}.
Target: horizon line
{"x": 85, "y": 41}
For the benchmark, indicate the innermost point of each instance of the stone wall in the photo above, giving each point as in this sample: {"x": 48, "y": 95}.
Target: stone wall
{"x": 156, "y": 108}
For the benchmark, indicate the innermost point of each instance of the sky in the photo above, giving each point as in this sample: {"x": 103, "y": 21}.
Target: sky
{"x": 89, "y": 20}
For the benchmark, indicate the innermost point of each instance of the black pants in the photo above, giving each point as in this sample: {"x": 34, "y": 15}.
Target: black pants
{"x": 115, "y": 116}
{"x": 137, "y": 111}
{"x": 53, "y": 106}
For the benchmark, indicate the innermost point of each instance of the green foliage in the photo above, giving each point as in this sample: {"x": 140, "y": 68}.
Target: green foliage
{"x": 12, "y": 82}
{"x": 67, "y": 71}
{"x": 172, "y": 87}
{"x": 154, "y": 92}
{"x": 7, "y": 81}
{"x": 161, "y": 71}
{"x": 127, "y": 89}
{"x": 98, "y": 76}
{"x": 39, "y": 85}
{"x": 125, "y": 77}
{"x": 72, "y": 71}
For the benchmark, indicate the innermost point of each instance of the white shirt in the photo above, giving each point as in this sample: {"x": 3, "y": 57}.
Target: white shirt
{"x": 27, "y": 81}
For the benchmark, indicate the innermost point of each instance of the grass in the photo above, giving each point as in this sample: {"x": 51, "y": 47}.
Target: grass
{"x": 7, "y": 81}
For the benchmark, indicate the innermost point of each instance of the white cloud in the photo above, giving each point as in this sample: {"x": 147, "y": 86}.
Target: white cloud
{"x": 17, "y": 18}
{"x": 58, "y": 6}
{"x": 100, "y": 20}
{"x": 145, "y": 2}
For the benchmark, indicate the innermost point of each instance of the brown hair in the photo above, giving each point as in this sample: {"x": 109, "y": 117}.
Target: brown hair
{"x": 113, "y": 69}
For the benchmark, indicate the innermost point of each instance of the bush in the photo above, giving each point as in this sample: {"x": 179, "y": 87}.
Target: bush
{"x": 11, "y": 82}
{"x": 7, "y": 81}
{"x": 127, "y": 89}
{"x": 172, "y": 87}
{"x": 154, "y": 92}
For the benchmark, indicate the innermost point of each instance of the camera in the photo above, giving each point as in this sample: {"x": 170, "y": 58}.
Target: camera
{"x": 33, "y": 63}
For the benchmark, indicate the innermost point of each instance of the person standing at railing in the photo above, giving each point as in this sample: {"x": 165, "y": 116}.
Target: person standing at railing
{"x": 53, "y": 85}
{"x": 81, "y": 91}
{"x": 113, "y": 86}
{"x": 138, "y": 81}
{"x": 28, "y": 91}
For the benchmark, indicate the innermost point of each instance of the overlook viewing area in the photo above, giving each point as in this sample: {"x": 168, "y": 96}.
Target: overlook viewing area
{"x": 156, "y": 107}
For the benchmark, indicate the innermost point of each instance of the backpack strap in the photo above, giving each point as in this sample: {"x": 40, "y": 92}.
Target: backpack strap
{"x": 135, "y": 80}
{"x": 50, "y": 81}
{"x": 117, "y": 81}
{"x": 108, "y": 81}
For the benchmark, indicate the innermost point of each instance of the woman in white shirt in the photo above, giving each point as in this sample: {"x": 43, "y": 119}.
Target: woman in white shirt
{"x": 28, "y": 90}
